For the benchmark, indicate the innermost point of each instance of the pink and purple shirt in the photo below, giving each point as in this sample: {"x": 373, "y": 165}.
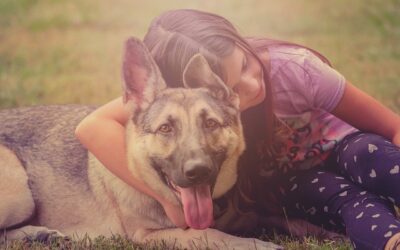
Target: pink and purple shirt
{"x": 305, "y": 91}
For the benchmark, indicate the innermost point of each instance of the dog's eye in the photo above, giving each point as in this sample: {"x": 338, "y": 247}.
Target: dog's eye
{"x": 211, "y": 124}
{"x": 165, "y": 128}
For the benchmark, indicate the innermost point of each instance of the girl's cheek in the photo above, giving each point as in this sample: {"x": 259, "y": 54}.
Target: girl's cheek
{"x": 253, "y": 87}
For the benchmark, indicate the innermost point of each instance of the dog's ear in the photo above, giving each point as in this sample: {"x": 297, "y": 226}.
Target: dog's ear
{"x": 142, "y": 78}
{"x": 198, "y": 74}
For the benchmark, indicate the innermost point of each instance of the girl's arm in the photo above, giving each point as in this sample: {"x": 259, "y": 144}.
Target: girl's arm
{"x": 103, "y": 134}
{"x": 367, "y": 114}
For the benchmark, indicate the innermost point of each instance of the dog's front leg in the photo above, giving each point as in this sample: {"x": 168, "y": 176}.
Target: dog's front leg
{"x": 201, "y": 239}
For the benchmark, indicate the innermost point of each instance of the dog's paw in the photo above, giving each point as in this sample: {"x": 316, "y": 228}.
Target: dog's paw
{"x": 259, "y": 244}
{"x": 268, "y": 245}
{"x": 250, "y": 243}
{"x": 46, "y": 236}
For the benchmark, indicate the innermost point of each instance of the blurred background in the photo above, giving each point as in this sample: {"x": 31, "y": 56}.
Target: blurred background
{"x": 69, "y": 51}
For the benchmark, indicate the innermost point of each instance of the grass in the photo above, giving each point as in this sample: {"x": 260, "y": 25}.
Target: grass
{"x": 69, "y": 51}
{"x": 114, "y": 242}
{"x": 118, "y": 242}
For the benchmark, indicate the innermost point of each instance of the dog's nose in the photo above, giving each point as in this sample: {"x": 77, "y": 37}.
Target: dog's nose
{"x": 196, "y": 171}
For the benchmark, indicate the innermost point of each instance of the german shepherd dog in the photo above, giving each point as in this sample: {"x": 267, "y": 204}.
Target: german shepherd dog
{"x": 183, "y": 142}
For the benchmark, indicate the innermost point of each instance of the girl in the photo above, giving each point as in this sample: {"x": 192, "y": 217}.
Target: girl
{"x": 302, "y": 121}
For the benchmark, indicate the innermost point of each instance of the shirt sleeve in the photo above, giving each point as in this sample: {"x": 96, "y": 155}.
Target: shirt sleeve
{"x": 326, "y": 85}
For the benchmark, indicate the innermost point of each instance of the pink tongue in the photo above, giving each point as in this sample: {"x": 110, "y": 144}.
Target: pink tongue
{"x": 197, "y": 206}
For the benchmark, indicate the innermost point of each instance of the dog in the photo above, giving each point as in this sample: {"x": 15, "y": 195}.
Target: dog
{"x": 182, "y": 142}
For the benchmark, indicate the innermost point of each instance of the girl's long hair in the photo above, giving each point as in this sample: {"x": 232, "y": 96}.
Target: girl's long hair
{"x": 176, "y": 35}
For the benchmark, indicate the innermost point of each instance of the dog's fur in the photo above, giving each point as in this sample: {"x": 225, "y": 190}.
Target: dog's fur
{"x": 182, "y": 142}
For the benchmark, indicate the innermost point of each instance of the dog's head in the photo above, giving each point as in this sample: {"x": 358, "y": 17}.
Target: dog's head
{"x": 182, "y": 142}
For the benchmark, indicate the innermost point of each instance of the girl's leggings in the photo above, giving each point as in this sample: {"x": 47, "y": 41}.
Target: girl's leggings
{"x": 355, "y": 191}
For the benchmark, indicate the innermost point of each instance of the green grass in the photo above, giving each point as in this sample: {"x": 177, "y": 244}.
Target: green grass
{"x": 69, "y": 51}
{"x": 114, "y": 242}
{"x": 118, "y": 242}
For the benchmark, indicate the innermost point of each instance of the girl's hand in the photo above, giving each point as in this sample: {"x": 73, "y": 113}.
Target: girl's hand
{"x": 396, "y": 139}
{"x": 174, "y": 213}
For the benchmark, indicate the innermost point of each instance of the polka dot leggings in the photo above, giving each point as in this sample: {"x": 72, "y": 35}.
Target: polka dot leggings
{"x": 355, "y": 191}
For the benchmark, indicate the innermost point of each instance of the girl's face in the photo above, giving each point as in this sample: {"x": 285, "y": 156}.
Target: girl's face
{"x": 245, "y": 76}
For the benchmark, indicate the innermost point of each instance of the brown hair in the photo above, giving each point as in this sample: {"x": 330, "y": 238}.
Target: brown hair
{"x": 176, "y": 35}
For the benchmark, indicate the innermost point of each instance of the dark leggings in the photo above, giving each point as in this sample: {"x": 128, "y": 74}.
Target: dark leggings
{"x": 354, "y": 192}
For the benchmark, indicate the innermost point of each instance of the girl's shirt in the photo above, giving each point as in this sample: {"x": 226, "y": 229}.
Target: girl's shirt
{"x": 305, "y": 91}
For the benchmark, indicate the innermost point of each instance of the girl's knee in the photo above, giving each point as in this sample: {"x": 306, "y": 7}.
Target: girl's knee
{"x": 365, "y": 148}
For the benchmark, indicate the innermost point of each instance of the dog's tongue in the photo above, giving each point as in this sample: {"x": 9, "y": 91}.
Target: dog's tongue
{"x": 197, "y": 206}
